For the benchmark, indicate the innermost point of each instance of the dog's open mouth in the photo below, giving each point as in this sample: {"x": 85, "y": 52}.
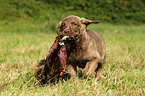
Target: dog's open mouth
{"x": 65, "y": 39}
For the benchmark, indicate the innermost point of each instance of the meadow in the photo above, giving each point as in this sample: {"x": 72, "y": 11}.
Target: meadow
{"x": 23, "y": 44}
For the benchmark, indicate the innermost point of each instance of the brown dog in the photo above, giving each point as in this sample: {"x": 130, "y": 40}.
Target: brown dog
{"x": 74, "y": 46}
{"x": 89, "y": 52}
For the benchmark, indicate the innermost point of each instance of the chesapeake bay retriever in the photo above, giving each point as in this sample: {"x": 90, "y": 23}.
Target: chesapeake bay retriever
{"x": 89, "y": 52}
{"x": 75, "y": 46}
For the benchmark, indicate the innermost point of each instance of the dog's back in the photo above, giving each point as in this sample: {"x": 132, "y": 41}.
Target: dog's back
{"x": 99, "y": 41}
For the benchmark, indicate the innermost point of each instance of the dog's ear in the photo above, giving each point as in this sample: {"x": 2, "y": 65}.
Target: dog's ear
{"x": 87, "y": 22}
{"x": 59, "y": 26}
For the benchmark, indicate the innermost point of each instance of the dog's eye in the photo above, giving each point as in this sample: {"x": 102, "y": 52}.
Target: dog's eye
{"x": 75, "y": 24}
{"x": 62, "y": 25}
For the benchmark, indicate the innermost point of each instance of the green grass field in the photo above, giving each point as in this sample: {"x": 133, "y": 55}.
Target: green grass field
{"x": 23, "y": 44}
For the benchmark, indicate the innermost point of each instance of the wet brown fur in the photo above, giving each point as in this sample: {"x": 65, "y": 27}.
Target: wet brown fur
{"x": 89, "y": 53}
{"x": 86, "y": 51}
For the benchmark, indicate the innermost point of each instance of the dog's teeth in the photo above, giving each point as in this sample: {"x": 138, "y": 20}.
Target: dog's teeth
{"x": 64, "y": 38}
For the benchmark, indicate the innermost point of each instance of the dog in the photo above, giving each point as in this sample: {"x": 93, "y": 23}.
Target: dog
{"x": 89, "y": 52}
{"x": 74, "y": 46}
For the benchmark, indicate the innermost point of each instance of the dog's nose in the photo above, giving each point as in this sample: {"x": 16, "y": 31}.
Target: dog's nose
{"x": 66, "y": 31}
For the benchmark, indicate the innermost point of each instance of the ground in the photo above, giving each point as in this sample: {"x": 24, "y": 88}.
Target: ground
{"x": 23, "y": 44}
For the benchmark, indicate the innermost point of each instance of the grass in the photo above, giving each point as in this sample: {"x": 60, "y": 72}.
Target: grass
{"x": 23, "y": 44}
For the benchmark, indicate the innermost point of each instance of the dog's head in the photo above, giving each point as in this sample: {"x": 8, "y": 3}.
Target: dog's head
{"x": 73, "y": 26}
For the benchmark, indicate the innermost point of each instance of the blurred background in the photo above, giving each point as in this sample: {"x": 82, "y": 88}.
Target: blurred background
{"x": 48, "y": 13}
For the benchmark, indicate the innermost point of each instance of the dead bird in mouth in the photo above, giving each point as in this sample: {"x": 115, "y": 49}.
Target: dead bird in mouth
{"x": 52, "y": 67}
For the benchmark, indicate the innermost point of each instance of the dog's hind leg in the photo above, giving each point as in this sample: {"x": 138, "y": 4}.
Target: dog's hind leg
{"x": 100, "y": 69}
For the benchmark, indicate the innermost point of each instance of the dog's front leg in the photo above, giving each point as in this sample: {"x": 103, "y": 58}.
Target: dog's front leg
{"x": 71, "y": 69}
{"x": 89, "y": 70}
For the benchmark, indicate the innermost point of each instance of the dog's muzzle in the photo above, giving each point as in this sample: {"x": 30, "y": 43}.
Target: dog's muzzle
{"x": 65, "y": 39}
